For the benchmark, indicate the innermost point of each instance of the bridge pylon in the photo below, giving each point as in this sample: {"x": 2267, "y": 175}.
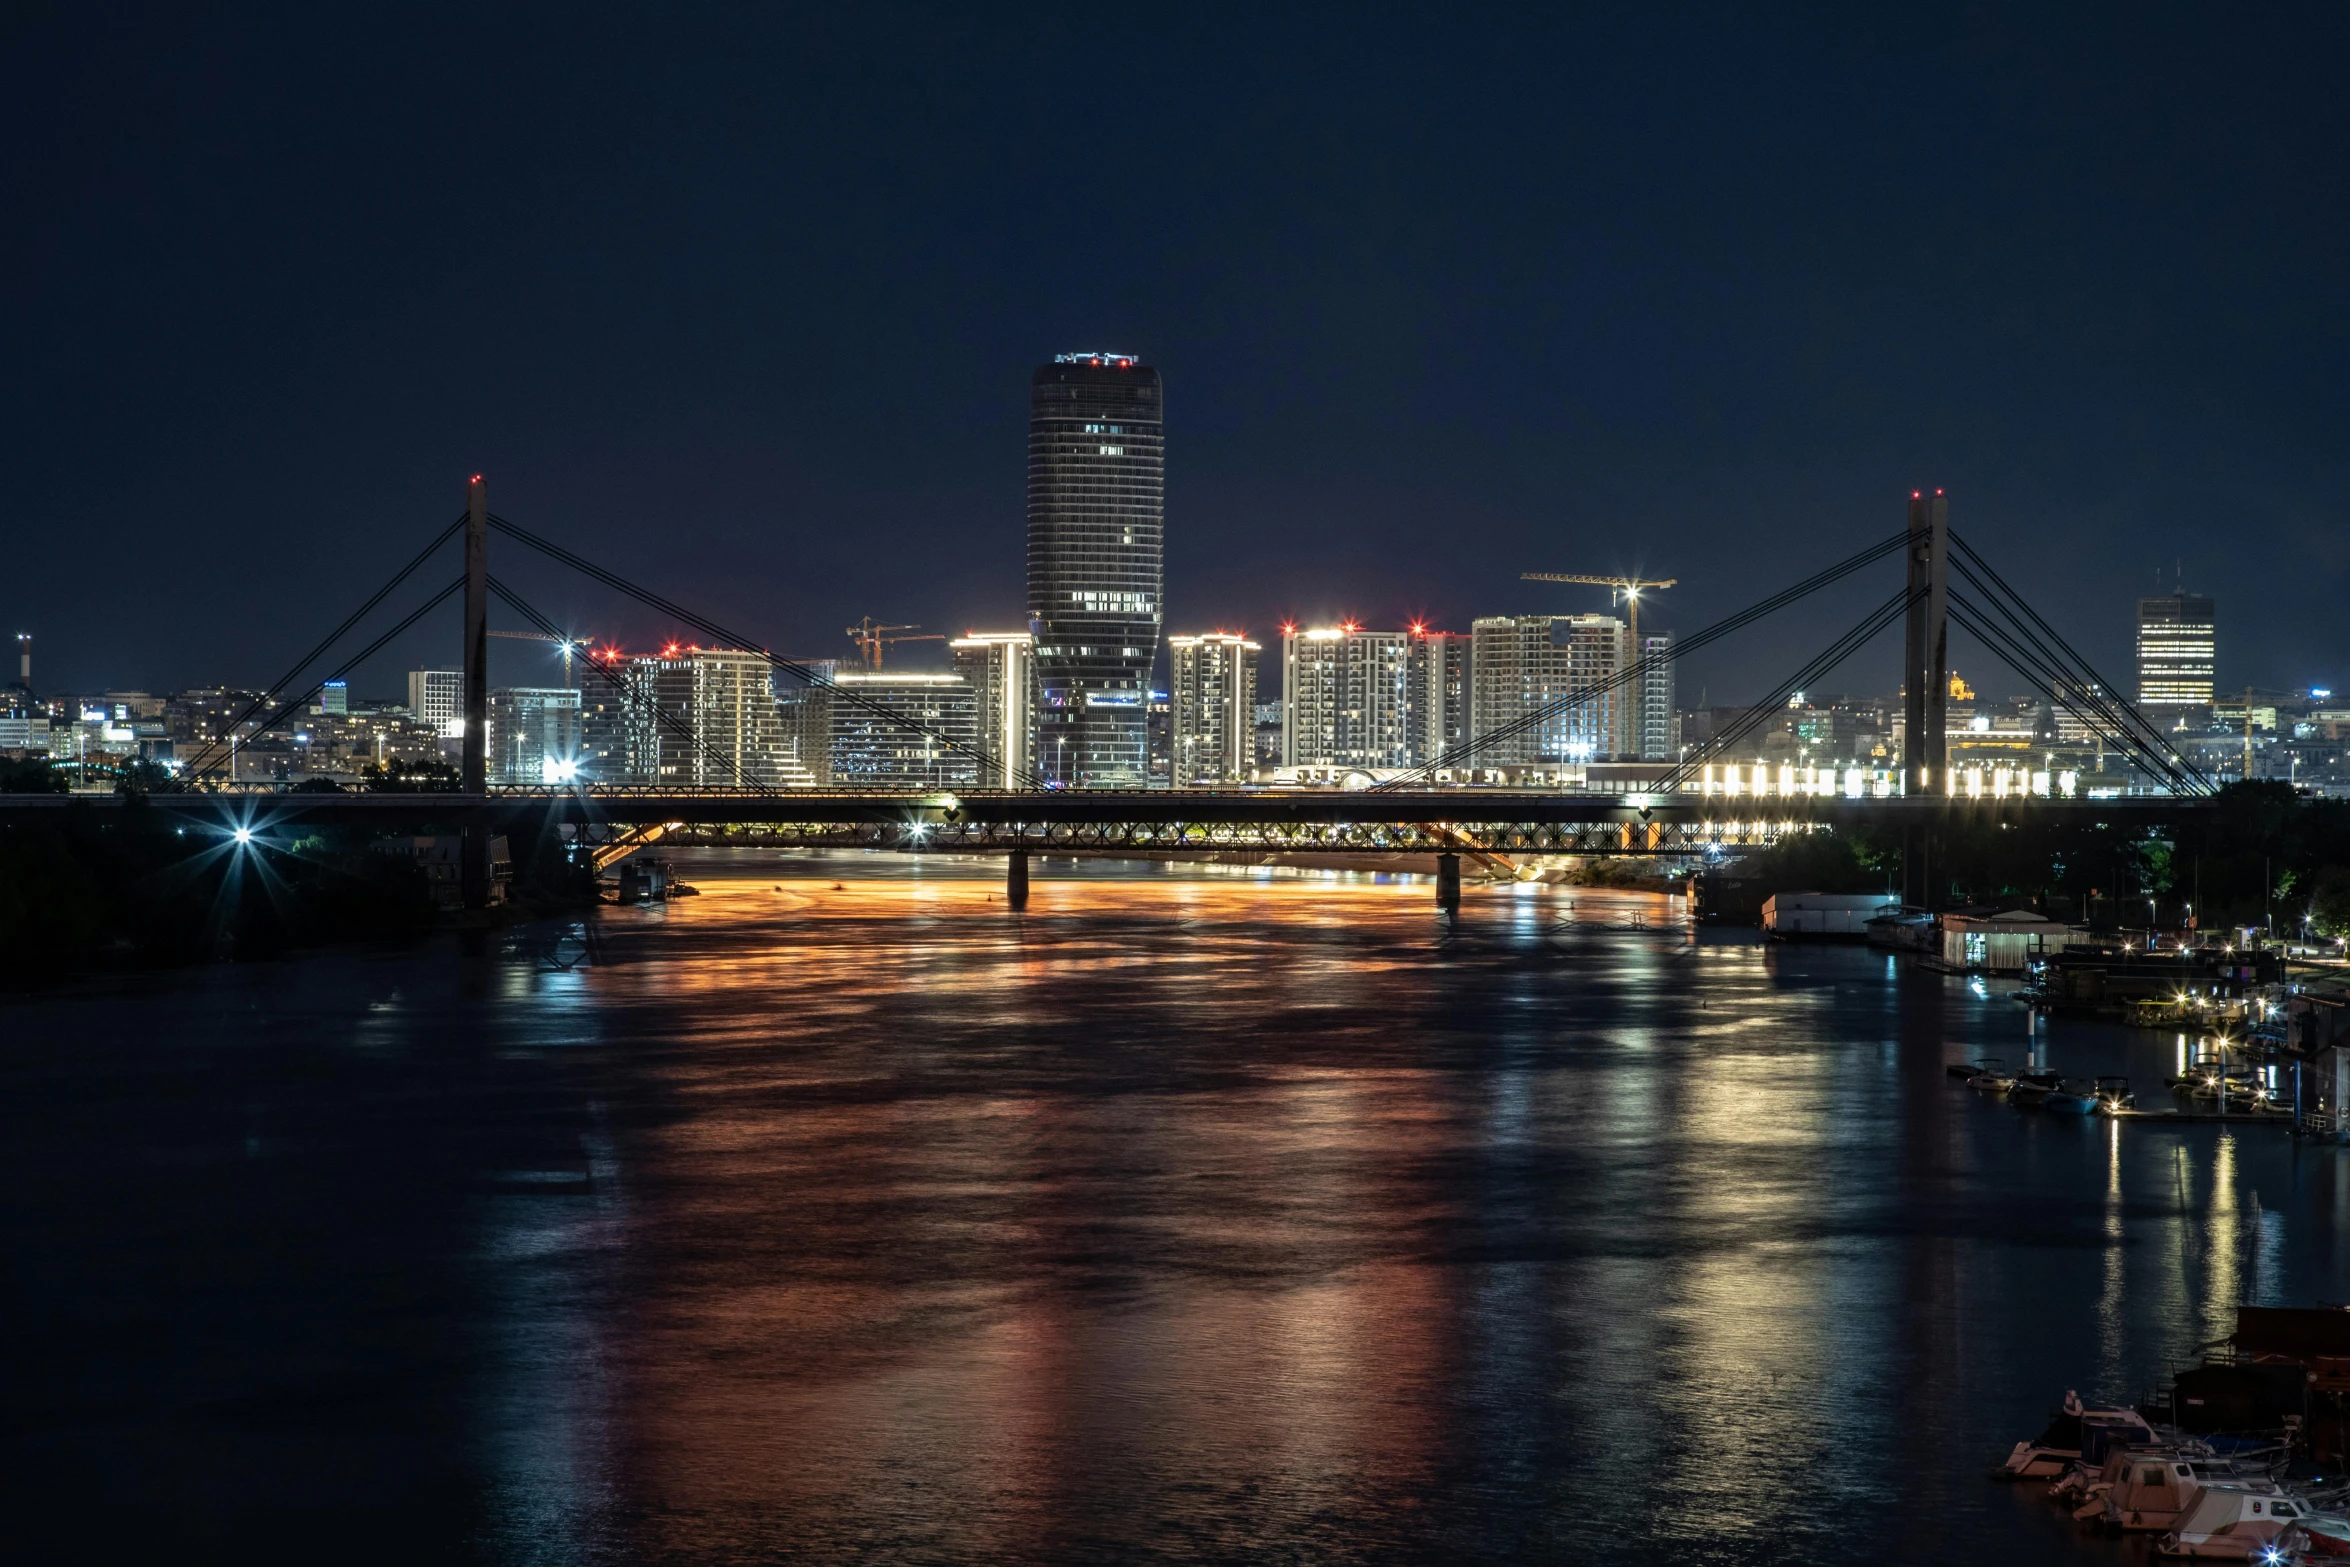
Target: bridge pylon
{"x": 1925, "y": 670}
{"x": 473, "y": 777}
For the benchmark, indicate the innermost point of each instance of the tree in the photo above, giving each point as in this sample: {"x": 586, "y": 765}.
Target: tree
{"x": 30, "y": 775}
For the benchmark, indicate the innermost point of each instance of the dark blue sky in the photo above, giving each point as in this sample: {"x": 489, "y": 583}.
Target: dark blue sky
{"x": 745, "y": 302}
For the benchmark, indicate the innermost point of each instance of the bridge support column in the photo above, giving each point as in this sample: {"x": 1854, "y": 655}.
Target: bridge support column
{"x": 1016, "y": 879}
{"x": 1925, "y": 677}
{"x": 473, "y": 866}
{"x": 1448, "y": 883}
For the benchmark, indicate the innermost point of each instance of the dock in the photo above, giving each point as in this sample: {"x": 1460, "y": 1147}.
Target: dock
{"x": 2206, "y": 1117}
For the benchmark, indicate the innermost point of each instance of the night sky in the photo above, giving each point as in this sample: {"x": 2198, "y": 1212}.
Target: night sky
{"x": 744, "y": 301}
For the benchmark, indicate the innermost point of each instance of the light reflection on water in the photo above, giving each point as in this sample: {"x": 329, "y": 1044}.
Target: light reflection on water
{"x": 1191, "y": 1215}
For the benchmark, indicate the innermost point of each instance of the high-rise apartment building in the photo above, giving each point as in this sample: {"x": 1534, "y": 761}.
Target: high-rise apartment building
{"x": 1345, "y": 697}
{"x": 1096, "y": 563}
{"x": 1656, "y": 737}
{"x": 1437, "y": 692}
{"x": 437, "y": 697}
{"x": 1523, "y": 666}
{"x": 534, "y": 736}
{"x": 1000, "y": 668}
{"x": 872, "y": 742}
{"x": 1213, "y": 697}
{"x": 738, "y": 733}
{"x": 2177, "y": 646}
{"x": 335, "y": 697}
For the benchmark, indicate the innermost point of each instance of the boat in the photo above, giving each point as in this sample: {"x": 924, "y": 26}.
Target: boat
{"x": 2114, "y": 1096}
{"x": 2146, "y": 1494}
{"x": 2059, "y": 1446}
{"x": 1968, "y": 1071}
{"x": 2069, "y": 1100}
{"x": 1994, "y": 1079}
{"x": 2317, "y": 1537}
{"x": 2033, "y": 1088}
{"x": 2228, "y": 1522}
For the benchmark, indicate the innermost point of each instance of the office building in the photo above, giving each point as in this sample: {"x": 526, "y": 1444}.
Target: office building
{"x": 1522, "y": 670}
{"x": 2177, "y": 644}
{"x": 1213, "y": 701}
{"x": 1437, "y": 694}
{"x": 1096, "y": 564}
{"x": 437, "y": 697}
{"x": 534, "y": 736}
{"x": 1345, "y": 698}
{"x": 1000, "y": 668}
{"x": 853, "y": 730}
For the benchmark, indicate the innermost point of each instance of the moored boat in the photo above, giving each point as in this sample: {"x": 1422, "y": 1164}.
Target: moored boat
{"x": 2114, "y": 1096}
{"x": 2032, "y": 1089}
{"x": 2059, "y": 1445}
{"x": 2230, "y": 1522}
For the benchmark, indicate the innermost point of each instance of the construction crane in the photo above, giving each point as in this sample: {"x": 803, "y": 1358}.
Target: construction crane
{"x": 871, "y": 638}
{"x": 1630, "y": 587}
{"x": 566, "y": 644}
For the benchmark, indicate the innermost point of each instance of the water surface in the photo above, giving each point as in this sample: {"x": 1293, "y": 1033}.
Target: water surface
{"x": 839, "y": 1214}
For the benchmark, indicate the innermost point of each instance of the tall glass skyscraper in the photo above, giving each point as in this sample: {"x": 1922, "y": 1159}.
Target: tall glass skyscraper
{"x": 1096, "y": 564}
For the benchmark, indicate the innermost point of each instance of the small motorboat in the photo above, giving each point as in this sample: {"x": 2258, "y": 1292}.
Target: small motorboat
{"x": 2058, "y": 1447}
{"x": 2317, "y": 1537}
{"x": 2231, "y": 1523}
{"x": 1968, "y": 1071}
{"x": 1993, "y": 1079}
{"x": 2070, "y": 1100}
{"x": 2114, "y": 1096}
{"x": 2148, "y": 1493}
{"x": 2033, "y": 1088}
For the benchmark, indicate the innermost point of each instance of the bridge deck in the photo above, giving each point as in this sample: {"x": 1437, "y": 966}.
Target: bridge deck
{"x": 1323, "y": 820}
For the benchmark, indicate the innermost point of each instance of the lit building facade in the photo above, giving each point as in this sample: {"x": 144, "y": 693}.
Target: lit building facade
{"x": 1096, "y": 564}
{"x": 1657, "y": 728}
{"x": 1345, "y": 697}
{"x": 2178, "y": 641}
{"x": 1213, "y": 701}
{"x": 1437, "y": 692}
{"x": 849, "y": 745}
{"x": 1521, "y": 665}
{"x": 437, "y": 697}
{"x": 1000, "y": 668}
{"x": 534, "y": 736}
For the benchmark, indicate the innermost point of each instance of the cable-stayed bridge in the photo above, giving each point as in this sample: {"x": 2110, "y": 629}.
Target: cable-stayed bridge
{"x": 1685, "y": 809}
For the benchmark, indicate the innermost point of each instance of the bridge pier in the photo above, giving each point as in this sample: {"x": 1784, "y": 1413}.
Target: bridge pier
{"x": 1016, "y": 879}
{"x": 1448, "y": 883}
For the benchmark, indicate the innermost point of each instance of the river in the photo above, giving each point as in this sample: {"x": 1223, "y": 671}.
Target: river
{"x": 839, "y": 1214}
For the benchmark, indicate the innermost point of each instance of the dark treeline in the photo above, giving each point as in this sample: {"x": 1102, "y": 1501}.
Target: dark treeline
{"x": 2263, "y": 854}
{"x": 128, "y": 886}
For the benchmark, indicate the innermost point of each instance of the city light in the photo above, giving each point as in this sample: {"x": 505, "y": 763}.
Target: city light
{"x": 243, "y": 835}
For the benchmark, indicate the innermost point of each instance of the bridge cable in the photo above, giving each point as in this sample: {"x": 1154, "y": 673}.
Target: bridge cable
{"x": 1836, "y": 652}
{"x": 2019, "y": 656}
{"x": 1640, "y": 669}
{"x": 1997, "y": 589}
{"x": 2125, "y": 724}
{"x": 333, "y": 636}
{"x": 987, "y": 764}
{"x": 358, "y": 658}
